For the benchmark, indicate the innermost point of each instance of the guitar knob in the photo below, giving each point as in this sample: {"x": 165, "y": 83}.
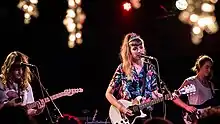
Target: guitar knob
{"x": 126, "y": 120}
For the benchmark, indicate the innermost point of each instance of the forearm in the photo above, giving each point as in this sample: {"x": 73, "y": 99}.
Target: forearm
{"x": 34, "y": 112}
{"x": 180, "y": 103}
{"x": 113, "y": 100}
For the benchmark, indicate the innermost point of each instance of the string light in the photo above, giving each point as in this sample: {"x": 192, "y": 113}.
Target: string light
{"x": 73, "y": 21}
{"x": 181, "y": 4}
{"x": 29, "y": 8}
{"x": 136, "y": 3}
{"x": 199, "y": 14}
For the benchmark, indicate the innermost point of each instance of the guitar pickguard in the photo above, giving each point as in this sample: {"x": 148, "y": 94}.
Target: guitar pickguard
{"x": 119, "y": 118}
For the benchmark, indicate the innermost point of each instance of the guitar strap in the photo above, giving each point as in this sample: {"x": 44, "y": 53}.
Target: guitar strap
{"x": 144, "y": 80}
{"x": 210, "y": 85}
{"x": 20, "y": 96}
{"x": 19, "y": 90}
{"x": 215, "y": 101}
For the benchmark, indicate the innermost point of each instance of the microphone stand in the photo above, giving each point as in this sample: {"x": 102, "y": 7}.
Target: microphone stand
{"x": 48, "y": 95}
{"x": 162, "y": 86}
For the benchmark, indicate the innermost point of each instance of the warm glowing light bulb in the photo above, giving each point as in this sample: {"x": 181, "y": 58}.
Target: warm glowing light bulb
{"x": 206, "y": 7}
{"x": 196, "y": 30}
{"x": 181, "y": 4}
{"x": 194, "y": 18}
{"x": 34, "y": 1}
{"x": 127, "y": 6}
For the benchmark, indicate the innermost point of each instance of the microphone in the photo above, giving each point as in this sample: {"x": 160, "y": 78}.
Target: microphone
{"x": 27, "y": 64}
{"x": 148, "y": 57}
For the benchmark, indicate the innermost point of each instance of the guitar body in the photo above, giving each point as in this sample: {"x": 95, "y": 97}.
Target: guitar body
{"x": 209, "y": 108}
{"x": 14, "y": 98}
{"x": 117, "y": 117}
{"x": 189, "y": 118}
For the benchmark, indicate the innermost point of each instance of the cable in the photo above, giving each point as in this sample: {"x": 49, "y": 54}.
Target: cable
{"x": 43, "y": 89}
{"x": 162, "y": 89}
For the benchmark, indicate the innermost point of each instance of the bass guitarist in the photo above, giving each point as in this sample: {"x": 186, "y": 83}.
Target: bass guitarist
{"x": 203, "y": 98}
{"x": 133, "y": 80}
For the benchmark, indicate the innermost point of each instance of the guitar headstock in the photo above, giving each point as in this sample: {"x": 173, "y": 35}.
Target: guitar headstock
{"x": 70, "y": 92}
{"x": 188, "y": 89}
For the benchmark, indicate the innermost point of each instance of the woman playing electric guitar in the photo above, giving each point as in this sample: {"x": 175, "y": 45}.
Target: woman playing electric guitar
{"x": 133, "y": 79}
{"x": 204, "y": 95}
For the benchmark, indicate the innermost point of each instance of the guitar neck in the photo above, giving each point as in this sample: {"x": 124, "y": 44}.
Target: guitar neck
{"x": 46, "y": 100}
{"x": 155, "y": 101}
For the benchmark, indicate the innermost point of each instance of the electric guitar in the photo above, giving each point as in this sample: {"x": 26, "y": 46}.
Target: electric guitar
{"x": 117, "y": 117}
{"x": 66, "y": 92}
{"x": 209, "y": 108}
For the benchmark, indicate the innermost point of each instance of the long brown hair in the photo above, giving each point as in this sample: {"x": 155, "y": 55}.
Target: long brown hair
{"x": 125, "y": 53}
{"x": 11, "y": 60}
{"x": 201, "y": 60}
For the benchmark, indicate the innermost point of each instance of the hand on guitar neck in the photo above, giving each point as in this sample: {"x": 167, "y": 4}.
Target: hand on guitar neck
{"x": 40, "y": 106}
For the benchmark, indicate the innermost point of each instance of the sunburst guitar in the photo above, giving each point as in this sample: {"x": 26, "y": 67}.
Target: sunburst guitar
{"x": 67, "y": 92}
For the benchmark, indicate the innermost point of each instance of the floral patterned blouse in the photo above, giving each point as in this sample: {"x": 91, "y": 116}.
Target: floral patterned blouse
{"x": 129, "y": 89}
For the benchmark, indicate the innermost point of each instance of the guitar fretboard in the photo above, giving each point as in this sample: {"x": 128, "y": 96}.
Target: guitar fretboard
{"x": 155, "y": 101}
{"x": 53, "y": 97}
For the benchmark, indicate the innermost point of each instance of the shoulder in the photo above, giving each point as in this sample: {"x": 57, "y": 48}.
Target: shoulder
{"x": 29, "y": 88}
{"x": 189, "y": 79}
{"x": 119, "y": 68}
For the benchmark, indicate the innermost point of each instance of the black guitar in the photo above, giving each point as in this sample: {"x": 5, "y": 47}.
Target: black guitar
{"x": 206, "y": 109}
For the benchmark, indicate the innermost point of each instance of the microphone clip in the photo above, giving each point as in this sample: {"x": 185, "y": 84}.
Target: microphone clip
{"x": 27, "y": 64}
{"x": 148, "y": 57}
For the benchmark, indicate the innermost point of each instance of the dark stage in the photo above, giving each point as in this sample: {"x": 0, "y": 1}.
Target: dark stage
{"x": 91, "y": 65}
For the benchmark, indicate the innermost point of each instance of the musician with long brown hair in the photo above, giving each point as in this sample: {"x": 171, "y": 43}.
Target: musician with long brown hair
{"x": 133, "y": 79}
{"x": 15, "y": 87}
{"x": 204, "y": 95}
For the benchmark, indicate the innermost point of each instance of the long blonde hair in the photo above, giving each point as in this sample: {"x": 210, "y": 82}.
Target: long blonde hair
{"x": 11, "y": 59}
{"x": 125, "y": 53}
